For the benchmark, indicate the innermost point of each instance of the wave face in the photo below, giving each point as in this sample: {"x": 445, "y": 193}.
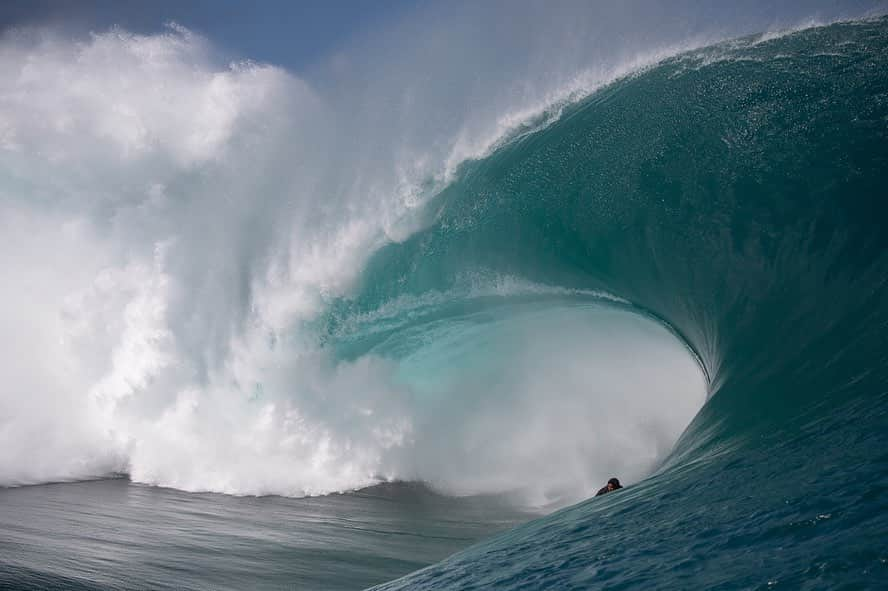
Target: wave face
{"x": 739, "y": 193}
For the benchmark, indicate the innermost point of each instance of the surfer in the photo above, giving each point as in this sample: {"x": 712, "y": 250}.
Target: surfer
{"x": 612, "y": 484}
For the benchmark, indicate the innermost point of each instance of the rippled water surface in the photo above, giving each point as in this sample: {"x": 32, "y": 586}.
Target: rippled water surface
{"x": 112, "y": 534}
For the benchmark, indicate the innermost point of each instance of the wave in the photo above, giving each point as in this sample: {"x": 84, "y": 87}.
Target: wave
{"x": 736, "y": 191}
{"x": 677, "y": 275}
{"x": 180, "y": 263}
{"x": 207, "y": 304}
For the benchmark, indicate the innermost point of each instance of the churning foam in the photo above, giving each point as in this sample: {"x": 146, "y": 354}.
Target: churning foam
{"x": 172, "y": 222}
{"x": 162, "y": 229}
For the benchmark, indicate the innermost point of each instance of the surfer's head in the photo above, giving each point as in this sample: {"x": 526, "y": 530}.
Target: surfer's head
{"x": 613, "y": 484}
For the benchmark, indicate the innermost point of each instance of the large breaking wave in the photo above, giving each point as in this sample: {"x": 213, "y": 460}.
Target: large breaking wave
{"x": 186, "y": 244}
{"x": 739, "y": 192}
{"x": 220, "y": 279}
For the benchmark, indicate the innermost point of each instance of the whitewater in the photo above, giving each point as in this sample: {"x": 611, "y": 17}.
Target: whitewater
{"x": 464, "y": 308}
{"x": 174, "y": 262}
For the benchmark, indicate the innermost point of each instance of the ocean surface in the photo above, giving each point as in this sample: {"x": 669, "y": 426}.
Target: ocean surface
{"x": 680, "y": 279}
{"x": 112, "y": 534}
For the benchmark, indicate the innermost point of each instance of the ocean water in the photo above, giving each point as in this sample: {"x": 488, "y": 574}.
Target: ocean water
{"x": 738, "y": 192}
{"x": 112, "y": 534}
{"x": 679, "y": 278}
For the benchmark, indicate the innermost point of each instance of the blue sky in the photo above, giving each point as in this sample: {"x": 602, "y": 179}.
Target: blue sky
{"x": 290, "y": 33}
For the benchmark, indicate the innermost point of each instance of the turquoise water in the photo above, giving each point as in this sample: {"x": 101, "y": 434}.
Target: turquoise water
{"x": 738, "y": 192}
{"x": 709, "y": 230}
